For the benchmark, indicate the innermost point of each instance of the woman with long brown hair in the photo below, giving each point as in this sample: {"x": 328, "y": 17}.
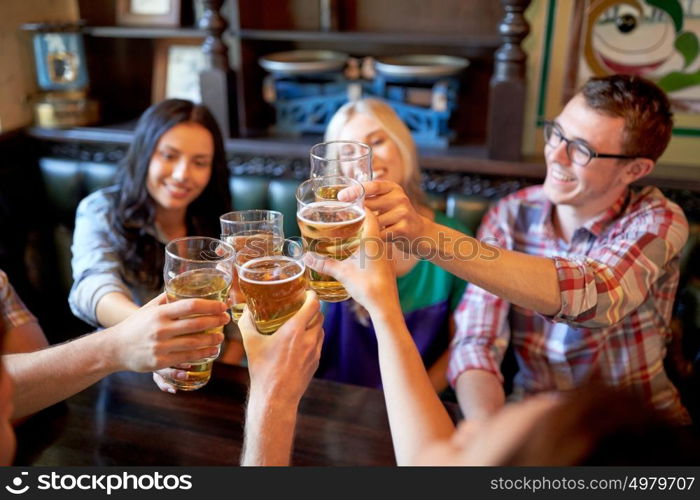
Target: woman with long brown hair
{"x": 172, "y": 183}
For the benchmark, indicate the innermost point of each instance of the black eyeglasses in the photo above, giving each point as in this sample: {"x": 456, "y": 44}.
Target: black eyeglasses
{"x": 579, "y": 152}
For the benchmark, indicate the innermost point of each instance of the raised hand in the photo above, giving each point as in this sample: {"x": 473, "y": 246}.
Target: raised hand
{"x": 284, "y": 362}
{"x": 397, "y": 218}
{"x": 367, "y": 274}
{"x": 160, "y": 335}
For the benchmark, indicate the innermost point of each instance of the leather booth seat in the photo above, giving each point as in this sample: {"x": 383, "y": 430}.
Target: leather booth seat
{"x": 66, "y": 183}
{"x": 69, "y": 181}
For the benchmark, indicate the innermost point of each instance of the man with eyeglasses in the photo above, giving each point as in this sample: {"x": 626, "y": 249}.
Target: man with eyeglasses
{"x": 578, "y": 274}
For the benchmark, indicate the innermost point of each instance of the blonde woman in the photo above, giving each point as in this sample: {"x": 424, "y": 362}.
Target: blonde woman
{"x": 428, "y": 295}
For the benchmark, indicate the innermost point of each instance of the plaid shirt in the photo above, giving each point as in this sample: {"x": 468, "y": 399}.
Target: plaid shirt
{"x": 13, "y": 312}
{"x": 618, "y": 277}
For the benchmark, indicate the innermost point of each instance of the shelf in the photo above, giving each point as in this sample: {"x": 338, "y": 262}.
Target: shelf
{"x": 470, "y": 158}
{"x": 488, "y": 42}
{"x": 456, "y": 158}
{"x": 296, "y": 147}
{"x": 118, "y": 134}
{"x": 467, "y": 158}
{"x": 422, "y": 39}
{"x": 473, "y": 158}
{"x": 129, "y": 32}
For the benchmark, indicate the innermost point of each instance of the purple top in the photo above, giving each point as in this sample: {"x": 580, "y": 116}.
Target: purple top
{"x": 428, "y": 295}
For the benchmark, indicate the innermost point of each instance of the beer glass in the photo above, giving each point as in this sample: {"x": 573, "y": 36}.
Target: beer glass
{"x": 342, "y": 158}
{"x": 253, "y": 228}
{"x": 197, "y": 267}
{"x": 329, "y": 227}
{"x": 274, "y": 284}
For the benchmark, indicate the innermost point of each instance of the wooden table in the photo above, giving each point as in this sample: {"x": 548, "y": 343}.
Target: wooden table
{"x": 125, "y": 420}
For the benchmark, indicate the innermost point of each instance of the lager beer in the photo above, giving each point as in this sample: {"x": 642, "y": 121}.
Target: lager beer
{"x": 328, "y": 192}
{"x": 275, "y": 289}
{"x": 329, "y": 227}
{"x": 243, "y": 228}
{"x": 256, "y": 243}
{"x": 211, "y": 284}
{"x": 197, "y": 267}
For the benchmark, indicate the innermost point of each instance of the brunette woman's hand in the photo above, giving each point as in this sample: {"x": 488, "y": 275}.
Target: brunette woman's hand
{"x": 161, "y": 335}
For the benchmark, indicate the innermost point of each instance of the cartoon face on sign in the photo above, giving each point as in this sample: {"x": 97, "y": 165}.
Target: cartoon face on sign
{"x": 656, "y": 39}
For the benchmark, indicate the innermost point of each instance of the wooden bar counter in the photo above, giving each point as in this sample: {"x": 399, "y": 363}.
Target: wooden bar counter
{"x": 126, "y": 420}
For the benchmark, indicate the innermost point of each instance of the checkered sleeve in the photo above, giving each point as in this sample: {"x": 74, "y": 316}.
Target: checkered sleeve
{"x": 13, "y": 312}
{"x": 601, "y": 288}
{"x": 482, "y": 332}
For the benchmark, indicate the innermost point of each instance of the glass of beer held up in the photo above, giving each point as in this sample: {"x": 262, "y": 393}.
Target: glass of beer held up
{"x": 329, "y": 227}
{"x": 341, "y": 158}
{"x": 256, "y": 229}
{"x": 274, "y": 283}
{"x": 197, "y": 267}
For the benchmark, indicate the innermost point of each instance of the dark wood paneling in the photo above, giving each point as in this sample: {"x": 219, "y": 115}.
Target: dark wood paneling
{"x": 102, "y": 13}
{"x": 121, "y": 73}
{"x": 508, "y": 85}
{"x": 279, "y": 14}
{"x": 420, "y": 16}
{"x": 462, "y": 40}
{"x": 466, "y": 158}
{"x": 254, "y": 114}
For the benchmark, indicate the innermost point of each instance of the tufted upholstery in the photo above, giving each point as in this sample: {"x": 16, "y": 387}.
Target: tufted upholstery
{"x": 272, "y": 194}
{"x": 69, "y": 181}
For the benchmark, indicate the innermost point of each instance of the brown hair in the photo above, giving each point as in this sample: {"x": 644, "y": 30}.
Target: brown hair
{"x": 395, "y": 128}
{"x": 133, "y": 210}
{"x": 600, "y": 425}
{"x": 644, "y": 107}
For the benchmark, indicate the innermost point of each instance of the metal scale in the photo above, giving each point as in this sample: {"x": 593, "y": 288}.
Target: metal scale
{"x": 307, "y": 88}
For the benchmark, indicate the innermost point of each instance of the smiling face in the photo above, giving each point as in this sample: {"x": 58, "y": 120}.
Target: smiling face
{"x": 180, "y": 167}
{"x": 7, "y": 435}
{"x": 386, "y": 158}
{"x": 595, "y": 187}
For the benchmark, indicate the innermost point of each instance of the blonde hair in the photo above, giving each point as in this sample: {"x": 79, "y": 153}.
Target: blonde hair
{"x": 397, "y": 131}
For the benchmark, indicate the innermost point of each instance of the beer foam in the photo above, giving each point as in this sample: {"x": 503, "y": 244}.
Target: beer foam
{"x": 266, "y": 258}
{"x": 331, "y": 206}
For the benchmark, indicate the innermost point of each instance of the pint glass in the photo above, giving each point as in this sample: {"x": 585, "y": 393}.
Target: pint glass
{"x": 197, "y": 267}
{"x": 255, "y": 229}
{"x": 274, "y": 284}
{"x": 329, "y": 227}
{"x": 341, "y": 158}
